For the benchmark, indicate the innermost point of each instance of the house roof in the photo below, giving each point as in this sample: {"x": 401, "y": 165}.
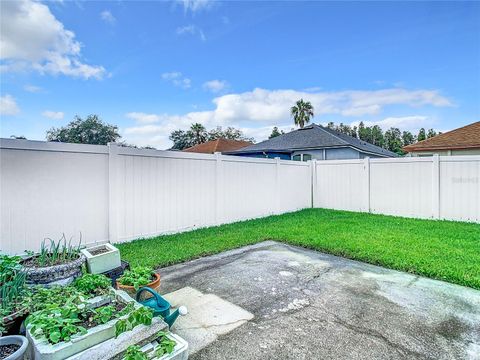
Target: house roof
{"x": 218, "y": 145}
{"x": 467, "y": 137}
{"x": 313, "y": 137}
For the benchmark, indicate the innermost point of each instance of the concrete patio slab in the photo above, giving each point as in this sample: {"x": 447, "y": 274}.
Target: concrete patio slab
{"x": 208, "y": 317}
{"x": 310, "y": 305}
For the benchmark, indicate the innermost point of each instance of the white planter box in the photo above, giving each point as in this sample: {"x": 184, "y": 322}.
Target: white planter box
{"x": 97, "y": 264}
{"x": 180, "y": 352}
{"x": 42, "y": 350}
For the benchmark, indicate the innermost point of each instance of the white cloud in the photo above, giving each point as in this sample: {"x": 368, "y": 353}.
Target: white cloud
{"x": 255, "y": 112}
{"x": 107, "y": 16}
{"x": 143, "y": 117}
{"x": 32, "y": 88}
{"x": 55, "y": 115}
{"x": 177, "y": 79}
{"x": 33, "y": 39}
{"x": 191, "y": 30}
{"x": 215, "y": 86}
{"x": 8, "y": 105}
{"x": 196, "y": 5}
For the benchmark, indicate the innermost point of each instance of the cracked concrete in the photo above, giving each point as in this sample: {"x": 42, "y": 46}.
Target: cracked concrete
{"x": 309, "y": 305}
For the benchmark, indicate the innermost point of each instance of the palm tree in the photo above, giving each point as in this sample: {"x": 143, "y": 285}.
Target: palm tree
{"x": 302, "y": 112}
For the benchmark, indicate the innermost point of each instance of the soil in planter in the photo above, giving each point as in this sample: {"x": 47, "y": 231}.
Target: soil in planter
{"x": 33, "y": 262}
{"x": 91, "y": 323}
{"x": 7, "y": 350}
{"x": 99, "y": 251}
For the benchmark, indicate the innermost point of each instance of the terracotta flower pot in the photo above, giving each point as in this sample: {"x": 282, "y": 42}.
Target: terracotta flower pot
{"x": 130, "y": 290}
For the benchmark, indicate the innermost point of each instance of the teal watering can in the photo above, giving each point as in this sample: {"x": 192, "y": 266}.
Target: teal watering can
{"x": 160, "y": 306}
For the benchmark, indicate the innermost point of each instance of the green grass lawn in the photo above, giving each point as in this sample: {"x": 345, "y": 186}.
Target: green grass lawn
{"x": 444, "y": 250}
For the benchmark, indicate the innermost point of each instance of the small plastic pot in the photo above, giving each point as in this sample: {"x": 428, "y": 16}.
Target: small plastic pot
{"x": 21, "y": 341}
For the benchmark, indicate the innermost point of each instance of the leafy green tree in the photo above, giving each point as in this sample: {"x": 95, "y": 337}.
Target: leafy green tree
{"x": 230, "y": 133}
{"x": 421, "y": 135}
{"x": 302, "y": 112}
{"x": 431, "y": 133}
{"x": 198, "y": 134}
{"x": 407, "y": 138}
{"x": 393, "y": 140}
{"x": 377, "y": 136}
{"x": 276, "y": 132}
{"x": 92, "y": 130}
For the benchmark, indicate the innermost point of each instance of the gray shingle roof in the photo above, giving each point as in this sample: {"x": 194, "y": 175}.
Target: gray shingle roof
{"x": 313, "y": 137}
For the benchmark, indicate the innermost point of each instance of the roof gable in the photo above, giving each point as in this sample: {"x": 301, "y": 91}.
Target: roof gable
{"x": 311, "y": 137}
{"x": 218, "y": 145}
{"x": 466, "y": 137}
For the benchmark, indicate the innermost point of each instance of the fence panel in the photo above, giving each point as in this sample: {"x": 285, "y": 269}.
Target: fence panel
{"x": 401, "y": 187}
{"x": 446, "y": 187}
{"x": 460, "y": 188}
{"x": 111, "y": 193}
{"x": 47, "y": 189}
{"x": 340, "y": 184}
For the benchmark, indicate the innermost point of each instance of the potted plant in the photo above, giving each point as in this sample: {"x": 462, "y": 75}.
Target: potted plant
{"x": 12, "y": 294}
{"x": 58, "y": 263}
{"x": 102, "y": 258}
{"x": 138, "y": 277}
{"x": 13, "y": 347}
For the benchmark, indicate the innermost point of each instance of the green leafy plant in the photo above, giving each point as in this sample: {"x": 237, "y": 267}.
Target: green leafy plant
{"x": 56, "y": 323}
{"x": 56, "y": 252}
{"x": 137, "y": 277}
{"x": 95, "y": 284}
{"x": 12, "y": 287}
{"x": 42, "y": 298}
{"x": 103, "y": 314}
{"x": 134, "y": 353}
{"x": 142, "y": 315}
{"x": 165, "y": 344}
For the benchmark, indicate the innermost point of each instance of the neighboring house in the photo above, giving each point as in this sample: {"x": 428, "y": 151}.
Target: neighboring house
{"x": 314, "y": 142}
{"x": 461, "y": 141}
{"x": 219, "y": 145}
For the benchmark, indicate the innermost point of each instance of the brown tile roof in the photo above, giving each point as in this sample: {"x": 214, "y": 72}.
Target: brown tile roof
{"x": 218, "y": 145}
{"x": 467, "y": 137}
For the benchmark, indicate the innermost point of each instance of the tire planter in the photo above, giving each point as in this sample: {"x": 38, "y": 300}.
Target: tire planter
{"x": 130, "y": 290}
{"x": 62, "y": 274}
{"x": 12, "y": 322}
{"x": 18, "y": 340}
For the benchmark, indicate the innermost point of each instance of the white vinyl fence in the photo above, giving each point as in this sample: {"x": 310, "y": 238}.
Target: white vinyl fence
{"x": 111, "y": 193}
{"x": 446, "y": 187}
{"x": 118, "y": 194}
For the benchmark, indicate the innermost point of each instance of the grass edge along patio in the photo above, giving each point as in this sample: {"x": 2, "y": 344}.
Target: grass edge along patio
{"x": 438, "y": 249}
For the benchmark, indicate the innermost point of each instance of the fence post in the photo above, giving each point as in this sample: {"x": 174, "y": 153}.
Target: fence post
{"x": 218, "y": 188}
{"x": 436, "y": 186}
{"x": 366, "y": 168}
{"x": 277, "y": 185}
{"x": 313, "y": 181}
{"x": 112, "y": 192}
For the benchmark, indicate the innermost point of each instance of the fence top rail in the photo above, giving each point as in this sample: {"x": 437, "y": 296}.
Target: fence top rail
{"x": 21, "y": 144}
{"x": 456, "y": 158}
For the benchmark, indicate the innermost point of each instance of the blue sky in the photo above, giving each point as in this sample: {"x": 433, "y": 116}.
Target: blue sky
{"x": 152, "y": 67}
